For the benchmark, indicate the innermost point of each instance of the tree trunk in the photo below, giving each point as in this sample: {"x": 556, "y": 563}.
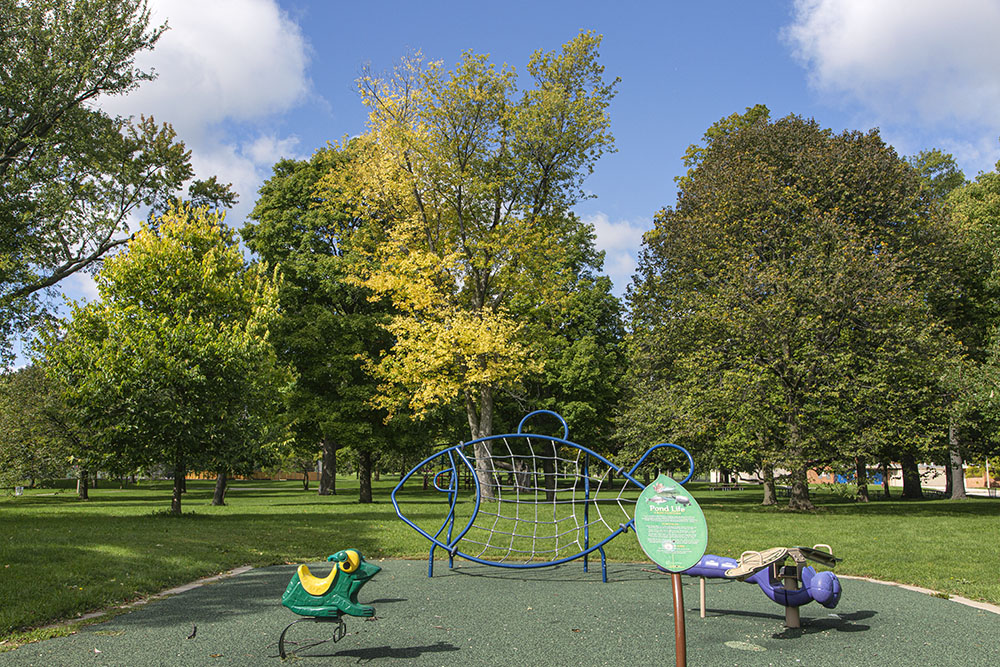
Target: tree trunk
{"x": 175, "y": 501}
{"x": 328, "y": 476}
{"x": 861, "y": 476}
{"x": 82, "y": 485}
{"x": 911, "y": 478}
{"x": 480, "y": 415}
{"x": 956, "y": 475}
{"x": 799, "y": 499}
{"x": 221, "y": 484}
{"x": 184, "y": 482}
{"x": 885, "y": 480}
{"x": 549, "y": 477}
{"x": 365, "y": 476}
{"x": 305, "y": 477}
{"x": 770, "y": 497}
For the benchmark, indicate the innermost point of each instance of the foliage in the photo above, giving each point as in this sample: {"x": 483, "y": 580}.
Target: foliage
{"x": 34, "y": 443}
{"x": 71, "y": 176}
{"x": 973, "y": 305}
{"x": 174, "y": 363}
{"x": 780, "y": 298}
{"x": 580, "y": 342}
{"x": 471, "y": 188}
{"x": 326, "y": 323}
{"x": 938, "y": 171}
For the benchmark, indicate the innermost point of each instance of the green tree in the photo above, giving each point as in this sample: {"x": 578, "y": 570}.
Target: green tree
{"x": 327, "y": 323}
{"x": 174, "y": 363}
{"x": 787, "y": 265}
{"x": 971, "y": 305}
{"x": 71, "y": 176}
{"x": 579, "y": 338}
{"x": 938, "y": 171}
{"x": 32, "y": 442}
{"x": 953, "y": 298}
{"x": 471, "y": 186}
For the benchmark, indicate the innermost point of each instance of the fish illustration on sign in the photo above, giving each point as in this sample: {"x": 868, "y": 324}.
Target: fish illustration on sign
{"x": 524, "y": 500}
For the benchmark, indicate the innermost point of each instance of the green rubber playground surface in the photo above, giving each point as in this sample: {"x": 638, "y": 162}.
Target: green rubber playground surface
{"x": 477, "y": 615}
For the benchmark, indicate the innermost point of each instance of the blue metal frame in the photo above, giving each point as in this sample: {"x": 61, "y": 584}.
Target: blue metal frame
{"x": 451, "y": 543}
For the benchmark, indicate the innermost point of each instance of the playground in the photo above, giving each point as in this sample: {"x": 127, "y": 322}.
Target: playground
{"x": 528, "y": 594}
{"x": 479, "y": 615}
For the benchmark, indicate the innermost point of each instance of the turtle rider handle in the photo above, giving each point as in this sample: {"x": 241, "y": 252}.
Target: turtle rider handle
{"x": 546, "y": 412}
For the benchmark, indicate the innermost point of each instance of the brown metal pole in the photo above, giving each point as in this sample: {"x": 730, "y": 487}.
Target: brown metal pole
{"x": 680, "y": 638}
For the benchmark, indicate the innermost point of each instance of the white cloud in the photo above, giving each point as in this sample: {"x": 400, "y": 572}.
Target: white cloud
{"x": 935, "y": 61}
{"x": 220, "y": 60}
{"x": 269, "y": 149}
{"x": 620, "y": 240}
{"x": 224, "y": 69}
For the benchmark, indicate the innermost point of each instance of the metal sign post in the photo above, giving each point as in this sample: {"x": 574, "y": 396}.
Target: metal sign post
{"x": 680, "y": 634}
{"x": 672, "y": 531}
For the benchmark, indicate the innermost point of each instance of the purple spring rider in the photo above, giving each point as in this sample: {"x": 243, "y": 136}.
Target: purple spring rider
{"x": 791, "y": 586}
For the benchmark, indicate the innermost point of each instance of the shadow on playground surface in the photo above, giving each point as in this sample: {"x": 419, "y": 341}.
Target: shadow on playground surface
{"x": 478, "y": 615}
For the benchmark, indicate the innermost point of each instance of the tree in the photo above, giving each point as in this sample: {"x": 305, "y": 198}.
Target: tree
{"x": 971, "y": 306}
{"x": 32, "y": 444}
{"x": 789, "y": 263}
{"x": 174, "y": 363}
{"x": 470, "y": 188}
{"x": 938, "y": 171}
{"x": 42, "y": 436}
{"x": 327, "y": 323}
{"x": 71, "y": 175}
{"x": 580, "y": 342}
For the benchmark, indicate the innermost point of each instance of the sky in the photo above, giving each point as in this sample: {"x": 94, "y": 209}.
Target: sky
{"x": 247, "y": 82}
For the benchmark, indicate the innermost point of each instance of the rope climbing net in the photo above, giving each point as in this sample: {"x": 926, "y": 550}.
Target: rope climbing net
{"x": 526, "y": 500}
{"x": 543, "y": 502}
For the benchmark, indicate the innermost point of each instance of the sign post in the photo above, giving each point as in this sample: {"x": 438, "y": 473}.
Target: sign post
{"x": 672, "y": 531}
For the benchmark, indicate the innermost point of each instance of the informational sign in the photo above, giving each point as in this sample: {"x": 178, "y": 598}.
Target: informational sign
{"x": 670, "y": 525}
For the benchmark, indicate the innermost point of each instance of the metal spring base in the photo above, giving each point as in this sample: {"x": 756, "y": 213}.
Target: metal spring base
{"x": 338, "y": 632}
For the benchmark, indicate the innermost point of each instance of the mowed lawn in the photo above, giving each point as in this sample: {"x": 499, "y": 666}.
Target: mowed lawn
{"x": 60, "y": 557}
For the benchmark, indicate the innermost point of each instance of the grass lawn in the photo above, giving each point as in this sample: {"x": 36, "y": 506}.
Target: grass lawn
{"x": 60, "y": 557}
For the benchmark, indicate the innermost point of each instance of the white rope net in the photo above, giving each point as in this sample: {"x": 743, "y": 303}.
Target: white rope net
{"x": 550, "y": 502}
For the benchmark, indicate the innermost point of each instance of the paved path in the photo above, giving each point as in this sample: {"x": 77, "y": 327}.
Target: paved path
{"x": 475, "y": 615}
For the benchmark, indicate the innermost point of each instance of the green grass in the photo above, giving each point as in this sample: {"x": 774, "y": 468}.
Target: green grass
{"x": 60, "y": 557}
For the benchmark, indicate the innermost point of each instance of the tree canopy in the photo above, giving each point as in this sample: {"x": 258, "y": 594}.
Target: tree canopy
{"x": 327, "y": 323}
{"x": 789, "y": 263}
{"x": 174, "y": 363}
{"x": 71, "y": 175}
{"x": 471, "y": 185}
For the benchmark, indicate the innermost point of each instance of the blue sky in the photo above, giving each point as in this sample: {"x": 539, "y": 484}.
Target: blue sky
{"x": 246, "y": 82}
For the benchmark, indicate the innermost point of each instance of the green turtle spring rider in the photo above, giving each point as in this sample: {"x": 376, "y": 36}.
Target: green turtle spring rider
{"x": 328, "y": 599}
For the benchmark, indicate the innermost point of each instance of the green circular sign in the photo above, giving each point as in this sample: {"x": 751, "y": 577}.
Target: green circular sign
{"x": 670, "y": 525}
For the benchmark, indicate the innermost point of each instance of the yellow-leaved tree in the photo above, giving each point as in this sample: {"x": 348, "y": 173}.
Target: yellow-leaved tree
{"x": 468, "y": 184}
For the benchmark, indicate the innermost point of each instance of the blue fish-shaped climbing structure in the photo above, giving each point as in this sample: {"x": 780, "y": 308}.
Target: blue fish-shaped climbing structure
{"x": 522, "y": 500}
